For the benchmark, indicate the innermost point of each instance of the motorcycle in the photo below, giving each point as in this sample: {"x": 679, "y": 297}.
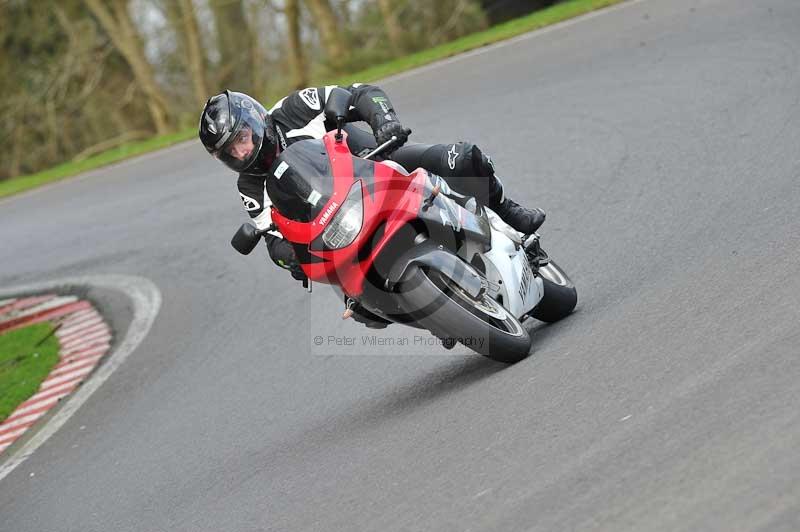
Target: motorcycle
{"x": 402, "y": 247}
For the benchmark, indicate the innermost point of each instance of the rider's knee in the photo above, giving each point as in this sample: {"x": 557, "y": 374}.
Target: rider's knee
{"x": 482, "y": 163}
{"x": 465, "y": 159}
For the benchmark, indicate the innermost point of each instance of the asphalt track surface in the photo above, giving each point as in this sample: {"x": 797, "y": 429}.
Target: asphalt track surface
{"x": 664, "y": 140}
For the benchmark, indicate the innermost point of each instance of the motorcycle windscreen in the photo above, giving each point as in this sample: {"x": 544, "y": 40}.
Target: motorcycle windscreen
{"x": 301, "y": 181}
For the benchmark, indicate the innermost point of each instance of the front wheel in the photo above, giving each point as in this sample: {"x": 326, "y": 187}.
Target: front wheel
{"x": 560, "y": 295}
{"x": 482, "y": 324}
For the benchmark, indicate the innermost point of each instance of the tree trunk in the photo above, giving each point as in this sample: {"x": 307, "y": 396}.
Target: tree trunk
{"x": 328, "y": 26}
{"x": 120, "y": 30}
{"x": 393, "y": 29}
{"x": 297, "y": 62}
{"x": 16, "y": 152}
{"x": 182, "y": 19}
{"x": 258, "y": 61}
{"x": 234, "y": 44}
{"x": 194, "y": 51}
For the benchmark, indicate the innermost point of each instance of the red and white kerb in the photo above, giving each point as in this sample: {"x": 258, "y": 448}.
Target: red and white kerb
{"x": 84, "y": 339}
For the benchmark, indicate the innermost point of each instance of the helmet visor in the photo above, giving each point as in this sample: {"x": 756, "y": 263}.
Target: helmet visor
{"x": 239, "y": 149}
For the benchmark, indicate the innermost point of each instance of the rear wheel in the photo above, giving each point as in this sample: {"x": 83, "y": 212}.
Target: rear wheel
{"x": 560, "y": 295}
{"x": 482, "y": 324}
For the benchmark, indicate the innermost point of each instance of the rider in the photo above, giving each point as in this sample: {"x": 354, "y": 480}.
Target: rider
{"x": 247, "y": 138}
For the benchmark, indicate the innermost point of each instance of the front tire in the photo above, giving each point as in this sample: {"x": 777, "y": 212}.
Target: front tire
{"x": 483, "y": 325}
{"x": 560, "y": 295}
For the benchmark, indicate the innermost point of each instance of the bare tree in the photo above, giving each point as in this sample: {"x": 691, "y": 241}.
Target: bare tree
{"x": 257, "y": 56}
{"x": 114, "y": 18}
{"x": 392, "y": 27}
{"x": 181, "y": 16}
{"x": 328, "y": 26}
{"x": 195, "y": 54}
{"x": 234, "y": 42}
{"x": 297, "y": 60}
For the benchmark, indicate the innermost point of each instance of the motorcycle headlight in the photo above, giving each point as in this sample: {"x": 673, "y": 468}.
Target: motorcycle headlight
{"x": 346, "y": 224}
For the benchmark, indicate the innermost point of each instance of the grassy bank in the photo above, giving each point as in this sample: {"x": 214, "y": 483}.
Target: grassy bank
{"x": 26, "y": 357}
{"x": 539, "y": 19}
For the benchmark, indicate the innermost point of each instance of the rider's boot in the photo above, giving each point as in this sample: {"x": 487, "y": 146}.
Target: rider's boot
{"x": 520, "y": 218}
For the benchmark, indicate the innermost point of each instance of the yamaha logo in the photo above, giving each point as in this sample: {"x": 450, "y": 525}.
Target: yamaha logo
{"x": 327, "y": 213}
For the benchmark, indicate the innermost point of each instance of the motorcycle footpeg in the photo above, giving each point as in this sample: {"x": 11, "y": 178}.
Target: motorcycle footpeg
{"x": 537, "y": 258}
{"x": 543, "y": 257}
{"x": 349, "y": 308}
{"x": 536, "y": 255}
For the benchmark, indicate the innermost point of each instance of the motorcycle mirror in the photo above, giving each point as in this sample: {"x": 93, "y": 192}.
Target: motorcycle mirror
{"x": 338, "y": 105}
{"x": 245, "y": 239}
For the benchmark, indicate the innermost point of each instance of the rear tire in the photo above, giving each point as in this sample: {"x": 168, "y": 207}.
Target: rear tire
{"x": 560, "y": 295}
{"x": 483, "y": 325}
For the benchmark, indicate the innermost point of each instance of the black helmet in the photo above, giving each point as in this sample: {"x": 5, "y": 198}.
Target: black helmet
{"x": 238, "y": 131}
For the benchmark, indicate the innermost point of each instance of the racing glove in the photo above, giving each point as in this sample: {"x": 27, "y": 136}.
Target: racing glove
{"x": 389, "y": 130}
{"x": 282, "y": 254}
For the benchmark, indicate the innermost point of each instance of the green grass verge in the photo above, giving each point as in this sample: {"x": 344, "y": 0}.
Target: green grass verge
{"x": 539, "y": 19}
{"x": 24, "y": 364}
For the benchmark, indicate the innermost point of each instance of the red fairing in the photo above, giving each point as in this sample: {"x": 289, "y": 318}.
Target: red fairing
{"x": 396, "y": 199}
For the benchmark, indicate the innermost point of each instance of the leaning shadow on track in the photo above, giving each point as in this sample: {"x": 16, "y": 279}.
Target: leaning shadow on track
{"x": 453, "y": 377}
